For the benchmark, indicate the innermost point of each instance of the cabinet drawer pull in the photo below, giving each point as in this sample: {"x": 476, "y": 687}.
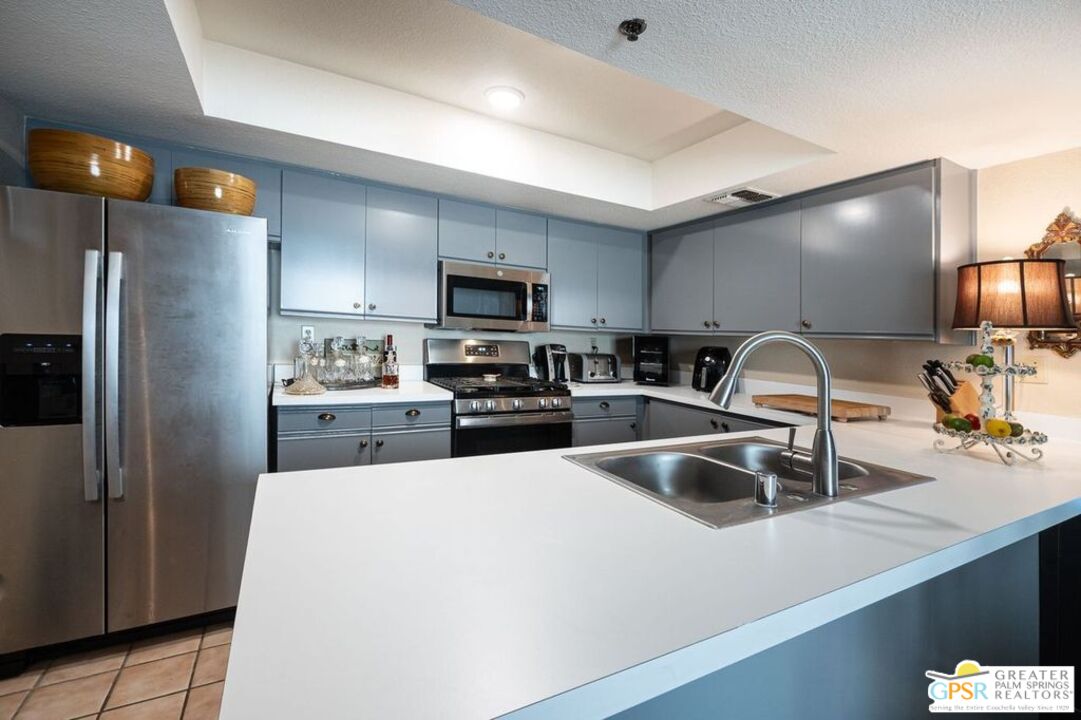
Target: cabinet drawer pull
{"x": 413, "y": 412}
{"x": 604, "y": 405}
{"x": 491, "y": 254}
{"x": 706, "y": 323}
{"x": 363, "y": 444}
{"x": 328, "y": 417}
{"x": 716, "y": 324}
{"x": 502, "y": 256}
{"x": 379, "y": 443}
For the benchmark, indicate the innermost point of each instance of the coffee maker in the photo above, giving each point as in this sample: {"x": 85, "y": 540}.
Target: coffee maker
{"x": 551, "y": 362}
{"x": 651, "y": 359}
{"x": 710, "y": 365}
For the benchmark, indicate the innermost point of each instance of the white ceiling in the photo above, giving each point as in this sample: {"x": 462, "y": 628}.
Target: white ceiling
{"x": 878, "y": 83}
{"x": 444, "y": 52}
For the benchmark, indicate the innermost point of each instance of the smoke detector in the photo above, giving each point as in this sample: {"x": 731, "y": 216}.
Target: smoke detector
{"x": 741, "y": 198}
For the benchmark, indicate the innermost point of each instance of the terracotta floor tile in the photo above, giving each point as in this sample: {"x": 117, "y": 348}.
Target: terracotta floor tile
{"x": 24, "y": 681}
{"x": 72, "y": 699}
{"x": 10, "y": 703}
{"x": 163, "y": 708}
{"x": 218, "y": 635}
{"x": 84, "y": 664}
{"x": 210, "y": 667}
{"x": 151, "y": 680}
{"x": 204, "y": 702}
{"x": 165, "y": 646}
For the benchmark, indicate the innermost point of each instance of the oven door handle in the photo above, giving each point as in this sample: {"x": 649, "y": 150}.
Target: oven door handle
{"x": 511, "y": 420}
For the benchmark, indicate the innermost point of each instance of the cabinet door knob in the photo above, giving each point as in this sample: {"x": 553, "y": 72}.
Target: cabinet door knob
{"x": 724, "y": 426}
{"x": 806, "y": 324}
{"x": 491, "y": 254}
{"x": 706, "y": 323}
{"x": 363, "y": 444}
{"x": 502, "y": 256}
{"x": 412, "y": 412}
{"x": 604, "y": 405}
{"x": 327, "y": 417}
{"x": 593, "y": 320}
{"x": 634, "y": 426}
{"x": 604, "y": 321}
{"x": 714, "y": 424}
{"x": 356, "y": 306}
{"x": 371, "y": 306}
{"x": 379, "y": 443}
{"x": 716, "y": 324}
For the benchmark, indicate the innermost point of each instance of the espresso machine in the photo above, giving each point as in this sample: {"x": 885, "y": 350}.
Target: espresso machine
{"x": 710, "y": 365}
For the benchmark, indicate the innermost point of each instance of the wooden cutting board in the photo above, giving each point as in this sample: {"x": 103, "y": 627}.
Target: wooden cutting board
{"x": 840, "y": 410}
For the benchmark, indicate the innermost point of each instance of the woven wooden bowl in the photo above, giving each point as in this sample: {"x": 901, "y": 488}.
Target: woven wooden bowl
{"x": 210, "y": 189}
{"x": 78, "y": 162}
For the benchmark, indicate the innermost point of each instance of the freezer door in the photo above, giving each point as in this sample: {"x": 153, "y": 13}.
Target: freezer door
{"x": 185, "y": 406}
{"x": 51, "y": 515}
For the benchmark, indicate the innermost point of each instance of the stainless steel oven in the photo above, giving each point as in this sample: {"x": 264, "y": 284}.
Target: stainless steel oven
{"x": 487, "y": 297}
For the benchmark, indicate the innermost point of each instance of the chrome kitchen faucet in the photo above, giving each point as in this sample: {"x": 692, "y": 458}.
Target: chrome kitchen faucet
{"x": 822, "y": 462}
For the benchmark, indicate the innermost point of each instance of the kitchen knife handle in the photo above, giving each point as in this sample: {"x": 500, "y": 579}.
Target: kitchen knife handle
{"x": 113, "y": 472}
{"x": 91, "y": 276}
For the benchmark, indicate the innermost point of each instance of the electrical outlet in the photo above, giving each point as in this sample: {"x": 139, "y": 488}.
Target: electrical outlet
{"x": 307, "y": 332}
{"x": 592, "y": 343}
{"x": 1040, "y": 378}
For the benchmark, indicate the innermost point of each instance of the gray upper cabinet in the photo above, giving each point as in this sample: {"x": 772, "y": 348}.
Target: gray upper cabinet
{"x": 869, "y": 258}
{"x": 401, "y": 264}
{"x": 620, "y": 279}
{"x": 682, "y": 269}
{"x": 572, "y": 263}
{"x": 521, "y": 239}
{"x": 596, "y": 276}
{"x": 756, "y": 282}
{"x": 323, "y": 238}
{"x": 268, "y": 181}
{"x": 466, "y": 231}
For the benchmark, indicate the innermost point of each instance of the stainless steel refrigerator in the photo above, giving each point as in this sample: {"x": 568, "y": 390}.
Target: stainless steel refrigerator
{"x": 132, "y": 411}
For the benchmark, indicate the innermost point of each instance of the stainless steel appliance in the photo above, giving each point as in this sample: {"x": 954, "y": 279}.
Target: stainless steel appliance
{"x": 710, "y": 365}
{"x": 486, "y": 297}
{"x": 507, "y": 411}
{"x": 551, "y": 362}
{"x": 132, "y": 411}
{"x": 651, "y": 359}
{"x": 594, "y": 367}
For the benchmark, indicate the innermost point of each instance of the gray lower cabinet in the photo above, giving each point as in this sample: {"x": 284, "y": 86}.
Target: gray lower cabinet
{"x": 401, "y": 256}
{"x": 316, "y": 438}
{"x": 407, "y": 445}
{"x": 672, "y": 420}
{"x": 756, "y": 279}
{"x": 466, "y": 231}
{"x": 869, "y": 257}
{"x": 597, "y": 276}
{"x": 682, "y": 274}
{"x": 601, "y": 431}
{"x": 521, "y": 239}
{"x": 322, "y": 250}
{"x": 268, "y": 181}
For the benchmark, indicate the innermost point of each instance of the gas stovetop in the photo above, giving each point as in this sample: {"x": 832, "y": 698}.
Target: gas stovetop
{"x": 478, "y": 387}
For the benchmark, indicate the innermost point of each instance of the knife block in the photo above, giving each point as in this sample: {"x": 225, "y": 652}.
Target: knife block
{"x": 966, "y": 401}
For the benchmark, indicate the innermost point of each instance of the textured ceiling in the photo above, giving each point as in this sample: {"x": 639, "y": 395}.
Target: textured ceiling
{"x": 440, "y": 51}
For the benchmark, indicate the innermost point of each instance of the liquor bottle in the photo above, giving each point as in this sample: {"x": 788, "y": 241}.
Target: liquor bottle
{"x": 390, "y": 364}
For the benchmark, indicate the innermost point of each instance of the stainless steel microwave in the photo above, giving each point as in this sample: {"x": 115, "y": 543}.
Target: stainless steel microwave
{"x": 487, "y": 297}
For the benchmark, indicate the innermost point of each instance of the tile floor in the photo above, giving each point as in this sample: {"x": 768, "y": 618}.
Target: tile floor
{"x": 171, "y": 677}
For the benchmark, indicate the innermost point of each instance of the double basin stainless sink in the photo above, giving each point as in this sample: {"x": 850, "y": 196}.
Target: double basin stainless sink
{"x": 714, "y": 482}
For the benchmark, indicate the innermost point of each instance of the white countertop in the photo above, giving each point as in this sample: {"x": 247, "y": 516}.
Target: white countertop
{"x": 523, "y": 584}
{"x": 409, "y": 391}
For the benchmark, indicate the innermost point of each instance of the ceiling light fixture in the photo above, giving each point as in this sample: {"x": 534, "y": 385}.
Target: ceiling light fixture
{"x": 503, "y": 97}
{"x": 632, "y": 28}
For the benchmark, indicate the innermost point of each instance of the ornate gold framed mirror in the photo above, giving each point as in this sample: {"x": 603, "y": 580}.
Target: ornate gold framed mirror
{"x": 1062, "y": 241}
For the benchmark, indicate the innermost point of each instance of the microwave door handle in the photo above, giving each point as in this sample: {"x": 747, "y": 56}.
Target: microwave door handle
{"x": 91, "y": 276}
{"x": 528, "y": 305}
{"x": 114, "y": 473}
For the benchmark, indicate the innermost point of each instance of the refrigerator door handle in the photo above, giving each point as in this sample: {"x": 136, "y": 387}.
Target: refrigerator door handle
{"x": 114, "y": 473}
{"x": 91, "y": 476}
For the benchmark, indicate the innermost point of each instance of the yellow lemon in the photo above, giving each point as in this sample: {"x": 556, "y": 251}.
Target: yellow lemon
{"x": 998, "y": 428}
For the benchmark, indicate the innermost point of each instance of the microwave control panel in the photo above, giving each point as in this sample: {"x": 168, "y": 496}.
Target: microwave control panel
{"x": 540, "y": 303}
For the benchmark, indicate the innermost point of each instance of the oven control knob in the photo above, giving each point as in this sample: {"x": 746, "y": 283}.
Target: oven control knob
{"x": 516, "y": 404}
{"x": 542, "y": 403}
{"x": 557, "y": 402}
{"x": 474, "y": 406}
{"x": 489, "y": 405}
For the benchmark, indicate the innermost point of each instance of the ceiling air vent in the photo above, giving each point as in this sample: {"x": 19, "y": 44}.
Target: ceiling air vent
{"x": 741, "y": 198}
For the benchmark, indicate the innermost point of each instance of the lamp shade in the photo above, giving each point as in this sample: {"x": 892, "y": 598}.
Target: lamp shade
{"x": 1029, "y": 294}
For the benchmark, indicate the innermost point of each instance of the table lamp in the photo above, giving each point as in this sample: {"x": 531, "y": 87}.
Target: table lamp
{"x": 1026, "y": 294}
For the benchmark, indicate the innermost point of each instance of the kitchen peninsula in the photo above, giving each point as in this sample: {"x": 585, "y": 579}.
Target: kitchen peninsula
{"x": 524, "y": 585}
